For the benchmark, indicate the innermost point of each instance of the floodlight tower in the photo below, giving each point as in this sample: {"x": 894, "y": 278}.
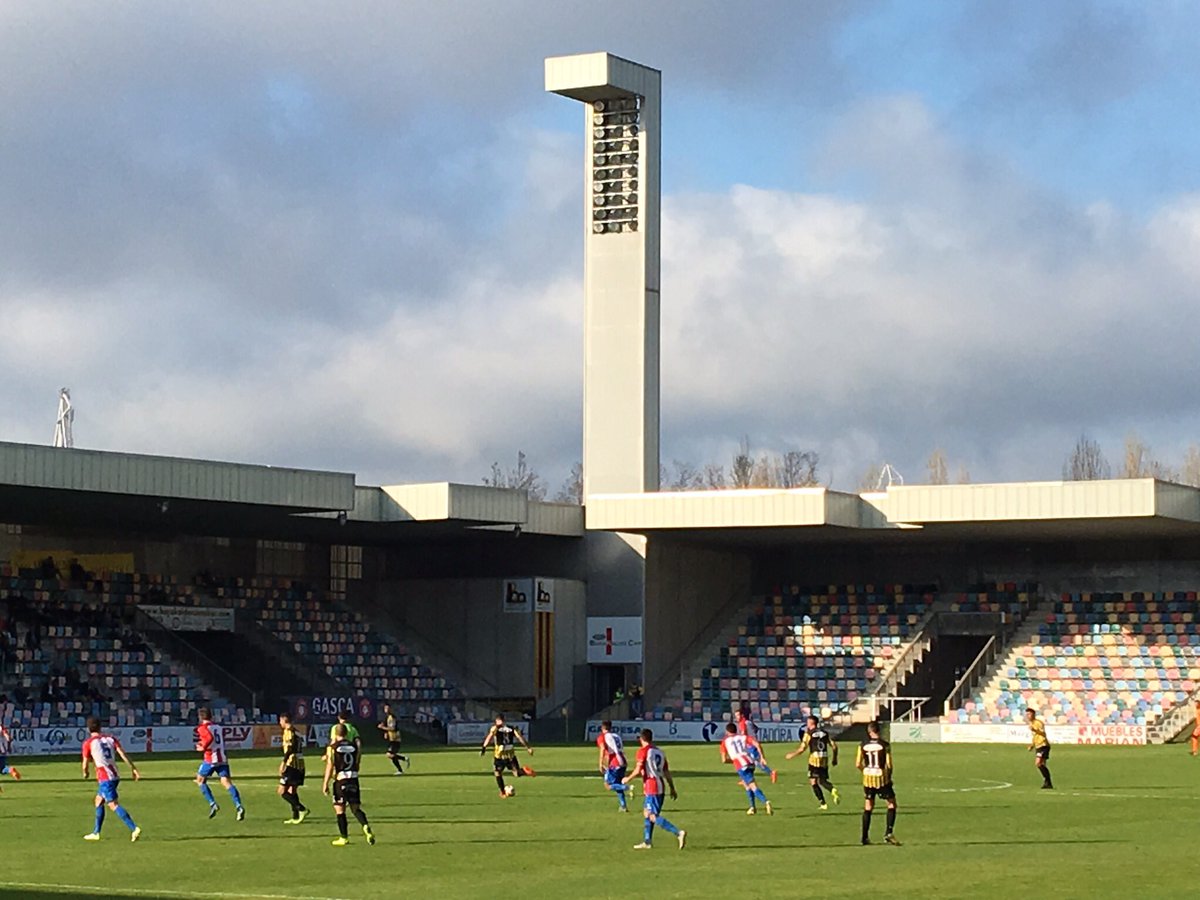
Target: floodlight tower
{"x": 622, "y": 102}
{"x": 64, "y": 435}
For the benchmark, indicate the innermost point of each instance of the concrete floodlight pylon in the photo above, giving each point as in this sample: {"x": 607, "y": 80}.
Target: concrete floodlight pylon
{"x": 622, "y": 115}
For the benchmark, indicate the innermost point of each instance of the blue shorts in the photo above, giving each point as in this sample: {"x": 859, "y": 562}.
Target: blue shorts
{"x": 755, "y": 754}
{"x": 221, "y": 770}
{"x": 614, "y": 776}
{"x": 654, "y": 803}
{"x": 746, "y": 774}
{"x": 108, "y": 790}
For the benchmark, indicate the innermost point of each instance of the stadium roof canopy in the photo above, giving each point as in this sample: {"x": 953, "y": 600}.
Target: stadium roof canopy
{"x": 1125, "y": 508}
{"x": 156, "y": 494}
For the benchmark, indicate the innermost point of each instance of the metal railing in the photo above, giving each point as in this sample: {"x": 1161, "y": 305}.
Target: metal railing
{"x": 966, "y": 683}
{"x": 224, "y": 681}
{"x": 899, "y": 709}
{"x": 678, "y": 673}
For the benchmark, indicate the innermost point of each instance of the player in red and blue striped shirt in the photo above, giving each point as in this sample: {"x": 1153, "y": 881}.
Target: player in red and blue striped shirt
{"x": 656, "y": 780}
{"x": 736, "y": 749}
{"x": 612, "y": 762}
{"x": 102, "y": 750}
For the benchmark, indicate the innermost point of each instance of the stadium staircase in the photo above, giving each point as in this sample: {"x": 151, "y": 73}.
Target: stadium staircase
{"x": 93, "y": 661}
{"x": 961, "y": 635}
{"x": 801, "y": 650}
{"x": 1098, "y": 658}
{"x": 698, "y": 656}
{"x": 471, "y": 684}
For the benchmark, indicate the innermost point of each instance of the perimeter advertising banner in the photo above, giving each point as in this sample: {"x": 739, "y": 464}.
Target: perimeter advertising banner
{"x": 68, "y": 741}
{"x": 695, "y": 732}
{"x": 1018, "y": 733}
{"x": 473, "y": 733}
{"x": 326, "y": 708}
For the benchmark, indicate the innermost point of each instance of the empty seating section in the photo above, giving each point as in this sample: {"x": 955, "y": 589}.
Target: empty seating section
{"x": 1009, "y": 599}
{"x": 85, "y": 620}
{"x": 70, "y": 655}
{"x": 342, "y": 644}
{"x": 1102, "y": 658}
{"x": 804, "y": 650}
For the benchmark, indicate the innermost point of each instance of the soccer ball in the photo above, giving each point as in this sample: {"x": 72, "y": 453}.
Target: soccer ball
{"x": 510, "y": 791}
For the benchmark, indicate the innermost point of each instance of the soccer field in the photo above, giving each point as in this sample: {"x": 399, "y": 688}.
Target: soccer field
{"x": 972, "y": 821}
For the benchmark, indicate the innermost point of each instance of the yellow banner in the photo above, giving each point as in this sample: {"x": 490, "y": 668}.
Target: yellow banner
{"x": 91, "y": 562}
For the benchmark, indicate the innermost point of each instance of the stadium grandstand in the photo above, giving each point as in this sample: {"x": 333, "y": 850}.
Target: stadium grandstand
{"x": 139, "y": 588}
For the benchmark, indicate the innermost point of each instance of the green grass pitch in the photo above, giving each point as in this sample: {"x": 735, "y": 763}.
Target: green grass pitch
{"x": 972, "y": 820}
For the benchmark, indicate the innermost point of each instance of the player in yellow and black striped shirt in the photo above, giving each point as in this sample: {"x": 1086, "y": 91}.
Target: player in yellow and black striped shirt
{"x": 874, "y": 760}
{"x": 391, "y": 733}
{"x": 1040, "y": 745}
{"x": 291, "y": 770}
{"x": 822, "y": 750}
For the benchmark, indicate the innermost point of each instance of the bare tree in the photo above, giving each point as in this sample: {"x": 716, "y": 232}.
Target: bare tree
{"x": 1086, "y": 462}
{"x": 741, "y": 470}
{"x": 963, "y": 476}
{"x": 797, "y": 468}
{"x": 681, "y": 476}
{"x": 1189, "y": 473}
{"x": 521, "y": 478}
{"x": 1139, "y": 462}
{"x": 714, "y": 477}
{"x": 572, "y": 489}
{"x": 936, "y": 465}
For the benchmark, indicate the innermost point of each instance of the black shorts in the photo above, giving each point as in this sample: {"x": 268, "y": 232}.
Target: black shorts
{"x": 821, "y": 773}
{"x": 1042, "y": 753}
{"x": 504, "y": 764}
{"x": 346, "y": 792}
{"x": 393, "y": 748}
{"x": 292, "y": 777}
{"x": 887, "y": 792}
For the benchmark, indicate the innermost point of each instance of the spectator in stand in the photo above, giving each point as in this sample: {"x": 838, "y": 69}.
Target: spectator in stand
{"x": 636, "y": 706}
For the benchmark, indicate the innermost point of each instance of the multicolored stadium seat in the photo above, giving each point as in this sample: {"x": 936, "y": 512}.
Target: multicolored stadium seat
{"x": 806, "y": 649}
{"x": 1098, "y": 658}
{"x": 147, "y": 687}
{"x": 91, "y": 654}
{"x": 338, "y": 641}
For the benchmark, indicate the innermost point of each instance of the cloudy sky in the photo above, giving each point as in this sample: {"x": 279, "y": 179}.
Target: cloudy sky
{"x": 347, "y": 235}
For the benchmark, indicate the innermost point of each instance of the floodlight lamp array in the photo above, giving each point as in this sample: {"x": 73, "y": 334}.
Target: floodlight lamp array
{"x": 615, "y": 157}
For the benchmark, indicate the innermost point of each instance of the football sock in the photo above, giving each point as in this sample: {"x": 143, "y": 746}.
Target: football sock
{"x": 765, "y": 768}
{"x": 647, "y": 830}
{"x": 817, "y": 791}
{"x": 293, "y": 800}
{"x": 759, "y": 794}
{"x": 206, "y": 793}
{"x": 666, "y": 826}
{"x": 233, "y": 792}
{"x": 620, "y": 789}
{"x": 99, "y": 818}
{"x": 750, "y": 797}
{"x": 1195, "y": 744}
{"x": 500, "y": 782}
{"x": 891, "y": 819}
{"x": 866, "y": 823}
{"x": 360, "y": 816}
{"x": 1046, "y": 775}
{"x": 124, "y": 817}
{"x": 342, "y": 829}
{"x": 396, "y": 763}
